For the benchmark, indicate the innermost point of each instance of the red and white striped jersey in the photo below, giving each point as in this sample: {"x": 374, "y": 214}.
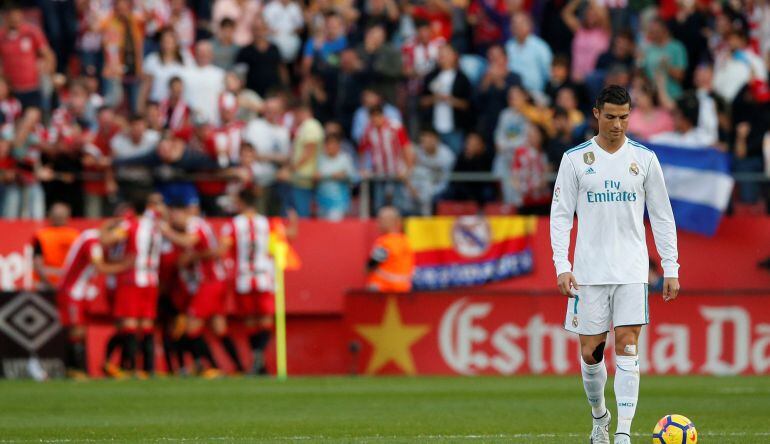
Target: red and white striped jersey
{"x": 386, "y": 146}
{"x": 226, "y": 143}
{"x": 210, "y": 269}
{"x": 143, "y": 241}
{"x": 10, "y": 109}
{"x": 174, "y": 116}
{"x": 79, "y": 281}
{"x": 250, "y": 253}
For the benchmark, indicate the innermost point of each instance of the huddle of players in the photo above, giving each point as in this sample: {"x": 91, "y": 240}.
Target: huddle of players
{"x": 152, "y": 256}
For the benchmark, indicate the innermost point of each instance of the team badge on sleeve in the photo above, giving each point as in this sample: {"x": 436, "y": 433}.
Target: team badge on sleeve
{"x": 634, "y": 169}
{"x": 589, "y": 158}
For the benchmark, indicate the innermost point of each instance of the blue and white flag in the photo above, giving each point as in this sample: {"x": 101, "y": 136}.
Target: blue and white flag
{"x": 699, "y": 185}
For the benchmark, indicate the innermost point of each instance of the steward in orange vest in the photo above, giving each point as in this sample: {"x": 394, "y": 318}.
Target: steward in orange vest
{"x": 391, "y": 262}
{"x": 51, "y": 245}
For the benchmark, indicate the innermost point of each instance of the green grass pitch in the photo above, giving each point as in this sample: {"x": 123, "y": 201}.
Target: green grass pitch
{"x": 373, "y": 410}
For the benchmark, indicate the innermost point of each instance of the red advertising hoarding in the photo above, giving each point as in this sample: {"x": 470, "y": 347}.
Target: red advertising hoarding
{"x": 472, "y": 333}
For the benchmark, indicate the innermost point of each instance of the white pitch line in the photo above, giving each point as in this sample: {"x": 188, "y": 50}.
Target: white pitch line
{"x": 469, "y": 437}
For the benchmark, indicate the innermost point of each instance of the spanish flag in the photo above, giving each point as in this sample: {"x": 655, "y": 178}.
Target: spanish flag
{"x": 469, "y": 250}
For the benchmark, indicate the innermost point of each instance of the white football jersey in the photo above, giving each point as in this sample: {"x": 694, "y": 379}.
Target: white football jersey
{"x": 609, "y": 192}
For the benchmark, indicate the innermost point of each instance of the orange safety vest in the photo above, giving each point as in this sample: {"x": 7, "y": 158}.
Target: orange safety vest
{"x": 55, "y": 243}
{"x": 395, "y": 273}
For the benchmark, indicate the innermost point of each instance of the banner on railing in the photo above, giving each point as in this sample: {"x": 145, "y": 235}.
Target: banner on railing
{"x": 469, "y": 334}
{"x": 699, "y": 185}
{"x": 469, "y": 250}
{"x": 32, "y": 342}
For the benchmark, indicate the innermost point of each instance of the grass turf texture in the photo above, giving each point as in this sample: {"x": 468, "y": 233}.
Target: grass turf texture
{"x": 404, "y": 410}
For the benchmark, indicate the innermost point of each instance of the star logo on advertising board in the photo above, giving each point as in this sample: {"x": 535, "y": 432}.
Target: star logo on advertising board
{"x": 29, "y": 320}
{"x": 392, "y": 340}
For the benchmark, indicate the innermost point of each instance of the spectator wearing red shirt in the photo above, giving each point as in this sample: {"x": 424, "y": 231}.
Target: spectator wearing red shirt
{"x": 96, "y": 160}
{"x": 437, "y": 12}
{"x": 386, "y": 152}
{"x": 22, "y": 45}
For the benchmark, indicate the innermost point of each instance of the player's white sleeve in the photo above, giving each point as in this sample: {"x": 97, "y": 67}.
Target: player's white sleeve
{"x": 661, "y": 218}
{"x": 565, "y": 195}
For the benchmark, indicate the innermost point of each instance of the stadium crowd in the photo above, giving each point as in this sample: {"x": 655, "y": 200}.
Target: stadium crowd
{"x": 107, "y": 100}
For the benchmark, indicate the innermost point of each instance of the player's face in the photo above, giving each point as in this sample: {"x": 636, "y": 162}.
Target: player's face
{"x": 613, "y": 120}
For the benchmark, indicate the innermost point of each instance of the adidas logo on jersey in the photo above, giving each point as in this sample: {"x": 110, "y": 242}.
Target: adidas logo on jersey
{"x": 590, "y": 170}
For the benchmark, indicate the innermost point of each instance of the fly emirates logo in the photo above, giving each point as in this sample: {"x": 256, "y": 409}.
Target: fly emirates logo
{"x": 611, "y": 193}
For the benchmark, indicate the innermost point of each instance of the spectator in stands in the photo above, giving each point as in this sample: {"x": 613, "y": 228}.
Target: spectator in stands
{"x": 174, "y": 112}
{"x": 391, "y": 262}
{"x": 383, "y": 13}
{"x": 170, "y": 166}
{"x": 264, "y": 69}
{"x": 529, "y": 173}
{"x": 10, "y": 107}
{"x": 24, "y": 197}
{"x": 322, "y": 51}
{"x": 60, "y": 24}
{"x": 182, "y": 21}
{"x": 561, "y": 139}
{"x": 22, "y": 47}
{"x": 686, "y": 133}
{"x": 708, "y": 119}
{"x": 335, "y": 172}
{"x": 446, "y": 100}
{"x": 432, "y": 167}
{"x": 272, "y": 143}
{"x": 751, "y": 120}
{"x": 134, "y": 141}
{"x": 621, "y": 52}
{"x": 369, "y": 99}
{"x": 510, "y": 132}
{"x": 123, "y": 44}
{"x": 347, "y": 88}
{"x": 528, "y": 55}
{"x": 475, "y": 158}
{"x": 591, "y": 36}
{"x": 171, "y": 60}
{"x": 420, "y": 55}
{"x": 50, "y": 246}
{"x": 386, "y": 152}
{"x": 647, "y": 117}
{"x": 662, "y": 54}
{"x": 381, "y": 63}
{"x": 97, "y": 160}
{"x": 224, "y": 47}
{"x": 284, "y": 19}
{"x": 492, "y": 96}
{"x": 242, "y": 13}
{"x": 249, "y": 102}
{"x": 737, "y": 66}
{"x": 204, "y": 82}
{"x": 567, "y": 99}
{"x": 308, "y": 143}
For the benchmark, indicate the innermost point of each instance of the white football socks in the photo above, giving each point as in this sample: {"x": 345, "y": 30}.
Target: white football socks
{"x": 626, "y": 391}
{"x": 594, "y": 379}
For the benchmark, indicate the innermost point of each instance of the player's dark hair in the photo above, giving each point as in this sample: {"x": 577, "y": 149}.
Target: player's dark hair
{"x": 248, "y": 197}
{"x": 227, "y": 22}
{"x": 613, "y": 94}
{"x": 175, "y": 79}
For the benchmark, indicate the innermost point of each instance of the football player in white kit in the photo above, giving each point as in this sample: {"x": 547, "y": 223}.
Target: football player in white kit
{"x": 607, "y": 181}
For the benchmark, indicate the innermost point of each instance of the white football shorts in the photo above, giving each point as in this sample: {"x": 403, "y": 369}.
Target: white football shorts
{"x": 595, "y": 308}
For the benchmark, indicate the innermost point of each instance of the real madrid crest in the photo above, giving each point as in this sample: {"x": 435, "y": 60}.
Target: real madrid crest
{"x": 574, "y": 321}
{"x": 634, "y": 169}
{"x": 589, "y": 158}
